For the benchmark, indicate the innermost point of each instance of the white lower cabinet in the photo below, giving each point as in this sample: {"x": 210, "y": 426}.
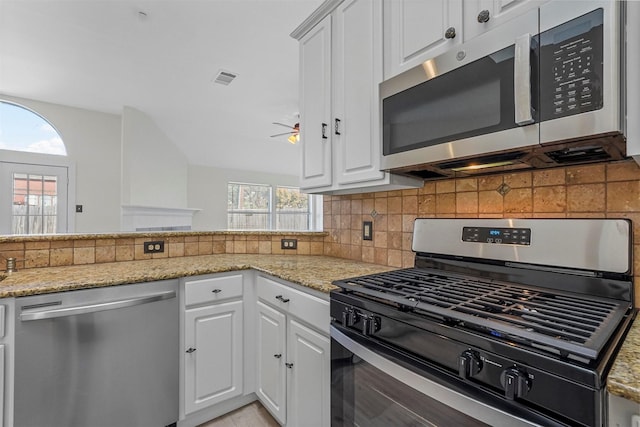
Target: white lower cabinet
{"x": 213, "y": 341}
{"x": 293, "y": 354}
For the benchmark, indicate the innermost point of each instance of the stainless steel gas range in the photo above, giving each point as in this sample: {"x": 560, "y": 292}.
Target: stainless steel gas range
{"x": 501, "y": 322}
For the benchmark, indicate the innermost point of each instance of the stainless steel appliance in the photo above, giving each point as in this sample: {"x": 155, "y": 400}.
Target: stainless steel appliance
{"x": 501, "y": 322}
{"x": 541, "y": 90}
{"x": 99, "y": 357}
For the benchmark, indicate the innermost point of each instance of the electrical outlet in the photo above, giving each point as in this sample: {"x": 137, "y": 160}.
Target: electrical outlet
{"x": 154, "y": 247}
{"x": 288, "y": 243}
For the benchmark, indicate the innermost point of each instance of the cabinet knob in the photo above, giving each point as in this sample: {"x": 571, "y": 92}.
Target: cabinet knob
{"x": 337, "y": 127}
{"x": 324, "y": 131}
{"x": 484, "y": 16}
{"x": 289, "y": 365}
{"x": 216, "y": 291}
{"x": 450, "y": 33}
{"x": 277, "y": 356}
{"x": 281, "y": 298}
{"x": 190, "y": 350}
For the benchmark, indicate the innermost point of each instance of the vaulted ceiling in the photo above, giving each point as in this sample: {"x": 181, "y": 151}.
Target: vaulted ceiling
{"x": 161, "y": 57}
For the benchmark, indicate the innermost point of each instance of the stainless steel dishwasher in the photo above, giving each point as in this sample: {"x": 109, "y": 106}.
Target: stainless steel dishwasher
{"x": 101, "y": 357}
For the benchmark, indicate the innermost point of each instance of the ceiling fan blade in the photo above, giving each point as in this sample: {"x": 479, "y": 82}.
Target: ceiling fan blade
{"x": 280, "y": 134}
{"x": 282, "y": 124}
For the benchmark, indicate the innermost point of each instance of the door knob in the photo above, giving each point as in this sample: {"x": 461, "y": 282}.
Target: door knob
{"x": 450, "y": 33}
{"x": 484, "y": 16}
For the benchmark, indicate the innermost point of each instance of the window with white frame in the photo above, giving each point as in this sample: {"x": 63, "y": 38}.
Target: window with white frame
{"x": 266, "y": 207}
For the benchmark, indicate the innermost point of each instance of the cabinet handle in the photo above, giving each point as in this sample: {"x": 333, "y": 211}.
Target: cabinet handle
{"x": 337, "y": 127}
{"x": 289, "y": 365}
{"x": 484, "y": 16}
{"x": 450, "y": 33}
{"x": 191, "y": 350}
{"x": 283, "y": 299}
{"x": 277, "y": 356}
{"x": 216, "y": 291}
{"x": 324, "y": 131}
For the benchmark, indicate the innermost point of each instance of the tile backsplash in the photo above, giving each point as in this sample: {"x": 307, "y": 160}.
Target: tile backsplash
{"x": 589, "y": 191}
{"x": 61, "y": 250}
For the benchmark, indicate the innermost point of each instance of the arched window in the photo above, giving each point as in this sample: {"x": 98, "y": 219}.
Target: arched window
{"x": 33, "y": 187}
{"x": 23, "y": 130}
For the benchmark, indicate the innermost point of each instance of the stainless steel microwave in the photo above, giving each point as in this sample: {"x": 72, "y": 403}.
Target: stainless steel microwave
{"x": 541, "y": 90}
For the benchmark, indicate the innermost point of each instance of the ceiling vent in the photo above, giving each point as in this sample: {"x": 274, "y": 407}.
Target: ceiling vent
{"x": 224, "y": 77}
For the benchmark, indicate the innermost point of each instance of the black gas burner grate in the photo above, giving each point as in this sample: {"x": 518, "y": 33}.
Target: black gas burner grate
{"x": 558, "y": 322}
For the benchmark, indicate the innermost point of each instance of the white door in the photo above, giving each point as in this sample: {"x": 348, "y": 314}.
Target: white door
{"x": 271, "y": 389}
{"x": 213, "y": 363}
{"x": 357, "y": 72}
{"x": 496, "y": 13}
{"x": 309, "y": 359}
{"x": 315, "y": 105}
{"x": 417, "y": 30}
{"x": 33, "y": 198}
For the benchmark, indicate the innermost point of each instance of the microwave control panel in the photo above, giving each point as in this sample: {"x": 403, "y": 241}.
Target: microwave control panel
{"x": 571, "y": 58}
{"x": 496, "y": 235}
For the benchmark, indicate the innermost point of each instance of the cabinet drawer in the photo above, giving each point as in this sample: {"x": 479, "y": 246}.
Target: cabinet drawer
{"x": 213, "y": 289}
{"x": 311, "y": 309}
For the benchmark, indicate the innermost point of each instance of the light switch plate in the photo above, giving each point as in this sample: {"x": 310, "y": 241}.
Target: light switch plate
{"x": 367, "y": 230}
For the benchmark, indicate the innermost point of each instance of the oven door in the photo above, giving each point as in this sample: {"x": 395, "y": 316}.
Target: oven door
{"x": 373, "y": 386}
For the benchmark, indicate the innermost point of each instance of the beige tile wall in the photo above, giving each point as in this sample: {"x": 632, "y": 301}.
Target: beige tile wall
{"x": 590, "y": 191}
{"x": 56, "y": 252}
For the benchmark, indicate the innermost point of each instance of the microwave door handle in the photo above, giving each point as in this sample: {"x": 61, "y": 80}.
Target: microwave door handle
{"x": 522, "y": 80}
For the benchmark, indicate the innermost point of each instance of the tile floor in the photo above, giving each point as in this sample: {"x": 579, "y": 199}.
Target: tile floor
{"x": 251, "y": 415}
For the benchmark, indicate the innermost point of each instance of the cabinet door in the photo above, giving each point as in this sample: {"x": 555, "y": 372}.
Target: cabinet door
{"x": 315, "y": 104}
{"x": 271, "y": 389}
{"x": 308, "y": 353}
{"x": 213, "y": 363}
{"x": 357, "y": 71}
{"x": 499, "y": 11}
{"x": 415, "y": 30}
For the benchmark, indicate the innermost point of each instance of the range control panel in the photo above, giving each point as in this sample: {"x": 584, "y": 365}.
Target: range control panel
{"x": 501, "y": 236}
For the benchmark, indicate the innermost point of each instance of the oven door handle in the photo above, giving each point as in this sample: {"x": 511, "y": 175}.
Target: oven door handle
{"x": 465, "y": 404}
{"x": 522, "y": 80}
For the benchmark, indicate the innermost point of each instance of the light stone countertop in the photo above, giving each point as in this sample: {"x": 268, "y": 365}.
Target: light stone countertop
{"x": 316, "y": 272}
{"x": 624, "y": 377}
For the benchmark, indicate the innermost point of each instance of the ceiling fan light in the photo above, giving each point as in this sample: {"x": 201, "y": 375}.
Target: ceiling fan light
{"x": 294, "y": 138}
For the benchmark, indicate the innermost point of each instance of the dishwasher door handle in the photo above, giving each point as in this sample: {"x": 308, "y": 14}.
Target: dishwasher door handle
{"x": 92, "y": 308}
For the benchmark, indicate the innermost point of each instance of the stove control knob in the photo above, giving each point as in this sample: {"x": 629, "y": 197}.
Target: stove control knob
{"x": 516, "y": 383}
{"x": 349, "y": 317}
{"x": 370, "y": 324}
{"x": 469, "y": 364}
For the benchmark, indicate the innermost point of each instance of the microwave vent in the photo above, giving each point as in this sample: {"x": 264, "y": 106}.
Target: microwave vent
{"x": 483, "y": 161}
{"x": 579, "y": 154}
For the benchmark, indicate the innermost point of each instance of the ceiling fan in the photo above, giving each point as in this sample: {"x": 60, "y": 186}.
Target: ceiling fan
{"x": 294, "y": 133}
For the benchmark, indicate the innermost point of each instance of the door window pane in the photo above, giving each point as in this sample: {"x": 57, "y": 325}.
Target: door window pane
{"x": 35, "y": 204}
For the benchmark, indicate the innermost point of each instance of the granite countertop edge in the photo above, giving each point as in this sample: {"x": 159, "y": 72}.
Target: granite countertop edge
{"x": 312, "y": 271}
{"x": 624, "y": 378}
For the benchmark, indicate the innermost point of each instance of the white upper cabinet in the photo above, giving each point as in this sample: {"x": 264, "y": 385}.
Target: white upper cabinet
{"x": 315, "y": 104}
{"x": 357, "y": 72}
{"x": 483, "y": 15}
{"x": 416, "y": 30}
{"x": 341, "y": 68}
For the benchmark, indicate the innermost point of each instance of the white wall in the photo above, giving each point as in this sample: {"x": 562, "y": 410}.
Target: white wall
{"x": 208, "y": 191}
{"x": 154, "y": 170}
{"x": 92, "y": 140}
